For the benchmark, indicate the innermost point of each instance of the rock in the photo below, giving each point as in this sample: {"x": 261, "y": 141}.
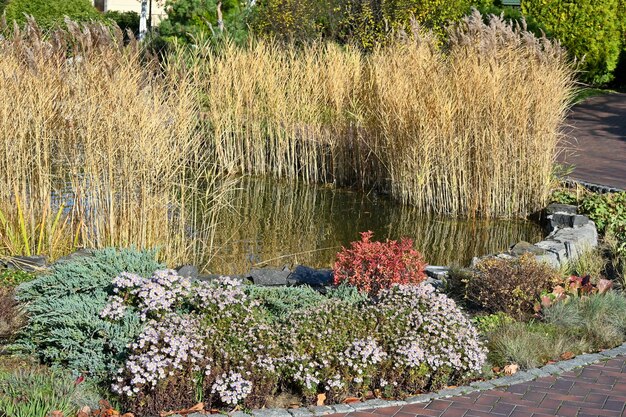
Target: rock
{"x": 559, "y": 220}
{"x": 269, "y": 277}
{"x": 437, "y": 272}
{"x": 27, "y": 263}
{"x": 303, "y": 275}
{"x": 522, "y": 247}
{"x": 437, "y": 283}
{"x": 560, "y": 208}
{"x": 556, "y": 248}
{"x": 80, "y": 253}
{"x": 549, "y": 258}
{"x": 188, "y": 271}
{"x": 213, "y": 277}
{"x": 579, "y": 220}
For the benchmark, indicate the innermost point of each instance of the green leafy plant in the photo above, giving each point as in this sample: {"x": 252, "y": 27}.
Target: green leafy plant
{"x": 50, "y": 13}
{"x": 589, "y": 29}
{"x": 511, "y": 286}
{"x": 64, "y": 326}
{"x": 574, "y": 286}
{"x": 14, "y": 277}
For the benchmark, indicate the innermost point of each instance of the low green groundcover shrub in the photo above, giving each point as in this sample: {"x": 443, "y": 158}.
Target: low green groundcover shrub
{"x": 63, "y": 309}
{"x": 215, "y": 343}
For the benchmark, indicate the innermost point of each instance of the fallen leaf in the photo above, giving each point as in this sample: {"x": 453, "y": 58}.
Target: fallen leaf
{"x": 496, "y": 369}
{"x": 321, "y": 398}
{"x": 128, "y": 415}
{"x": 567, "y": 355}
{"x": 511, "y": 369}
{"x": 198, "y": 408}
{"x": 350, "y": 400}
{"x": 55, "y": 413}
{"x": 377, "y": 393}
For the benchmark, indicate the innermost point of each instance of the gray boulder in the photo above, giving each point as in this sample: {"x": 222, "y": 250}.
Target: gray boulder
{"x": 269, "y": 277}
{"x": 303, "y": 275}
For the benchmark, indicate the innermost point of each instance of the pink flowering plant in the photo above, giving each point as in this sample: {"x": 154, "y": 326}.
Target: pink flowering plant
{"x": 214, "y": 342}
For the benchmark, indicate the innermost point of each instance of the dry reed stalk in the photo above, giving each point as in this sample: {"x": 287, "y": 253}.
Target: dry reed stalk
{"x": 469, "y": 129}
{"x": 88, "y": 129}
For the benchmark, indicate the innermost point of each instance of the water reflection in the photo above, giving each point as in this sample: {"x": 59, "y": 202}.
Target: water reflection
{"x": 275, "y": 223}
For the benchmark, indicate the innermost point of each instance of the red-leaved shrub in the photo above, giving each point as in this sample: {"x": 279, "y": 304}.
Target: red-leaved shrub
{"x": 373, "y": 266}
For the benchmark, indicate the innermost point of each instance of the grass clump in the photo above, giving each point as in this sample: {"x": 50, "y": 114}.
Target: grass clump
{"x": 530, "y": 345}
{"x": 99, "y": 149}
{"x": 437, "y": 127}
{"x": 600, "y": 320}
{"x": 36, "y": 392}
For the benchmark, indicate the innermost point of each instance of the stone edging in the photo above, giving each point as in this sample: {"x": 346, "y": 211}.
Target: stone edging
{"x": 520, "y": 377}
{"x": 596, "y": 188}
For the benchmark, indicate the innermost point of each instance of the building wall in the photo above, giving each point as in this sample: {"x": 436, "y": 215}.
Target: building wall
{"x": 158, "y": 13}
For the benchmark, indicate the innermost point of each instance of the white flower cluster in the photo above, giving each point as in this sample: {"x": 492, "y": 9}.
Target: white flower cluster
{"x": 232, "y": 388}
{"x": 164, "y": 347}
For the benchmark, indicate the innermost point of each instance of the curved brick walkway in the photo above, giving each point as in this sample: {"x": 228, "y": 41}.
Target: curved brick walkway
{"x": 594, "y": 390}
{"x": 597, "y": 132}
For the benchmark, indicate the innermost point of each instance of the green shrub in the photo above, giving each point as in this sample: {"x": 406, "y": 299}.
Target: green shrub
{"x": 589, "y": 29}
{"x": 513, "y": 15}
{"x": 530, "y": 345}
{"x": 600, "y": 320}
{"x": 49, "y": 13}
{"x": 280, "y": 302}
{"x": 63, "y": 307}
{"x": 125, "y": 20}
{"x": 361, "y": 22}
{"x": 37, "y": 392}
{"x": 511, "y": 286}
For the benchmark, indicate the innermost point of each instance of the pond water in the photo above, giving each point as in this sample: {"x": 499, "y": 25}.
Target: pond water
{"x": 274, "y": 223}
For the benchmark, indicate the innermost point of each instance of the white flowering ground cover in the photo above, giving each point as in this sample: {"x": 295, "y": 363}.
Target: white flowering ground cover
{"x": 215, "y": 343}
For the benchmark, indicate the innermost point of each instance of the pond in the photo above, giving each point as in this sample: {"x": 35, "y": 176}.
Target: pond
{"x": 273, "y": 223}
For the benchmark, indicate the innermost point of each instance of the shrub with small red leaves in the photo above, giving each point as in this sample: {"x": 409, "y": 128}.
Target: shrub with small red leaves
{"x": 374, "y": 266}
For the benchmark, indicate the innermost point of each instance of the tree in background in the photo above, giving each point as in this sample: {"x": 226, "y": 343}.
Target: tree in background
{"x": 363, "y": 22}
{"x": 49, "y": 13}
{"x": 589, "y": 29}
{"x": 190, "y": 19}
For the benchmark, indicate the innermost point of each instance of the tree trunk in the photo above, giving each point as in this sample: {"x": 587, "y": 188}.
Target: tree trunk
{"x": 220, "y": 20}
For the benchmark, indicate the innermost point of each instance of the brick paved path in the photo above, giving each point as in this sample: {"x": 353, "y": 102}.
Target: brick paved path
{"x": 594, "y": 390}
{"x": 597, "y": 132}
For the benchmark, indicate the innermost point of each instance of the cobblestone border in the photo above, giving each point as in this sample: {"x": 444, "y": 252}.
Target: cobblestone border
{"x": 520, "y": 377}
{"x": 596, "y": 188}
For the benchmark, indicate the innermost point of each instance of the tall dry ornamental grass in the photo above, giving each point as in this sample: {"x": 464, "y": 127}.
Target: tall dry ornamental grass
{"x": 98, "y": 149}
{"x": 468, "y": 129}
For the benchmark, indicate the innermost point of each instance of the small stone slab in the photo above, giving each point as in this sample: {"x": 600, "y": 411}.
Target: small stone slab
{"x": 561, "y": 208}
{"x": 188, "y": 271}
{"x": 271, "y": 412}
{"x": 342, "y": 408}
{"x": 321, "y": 410}
{"x": 303, "y": 275}
{"x": 269, "y": 277}
{"x": 422, "y": 398}
{"x": 27, "y": 263}
{"x": 523, "y": 247}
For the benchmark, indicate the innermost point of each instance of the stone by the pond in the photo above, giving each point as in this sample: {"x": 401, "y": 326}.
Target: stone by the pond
{"x": 188, "y": 271}
{"x": 522, "y": 247}
{"x": 560, "y": 208}
{"x": 80, "y": 253}
{"x": 27, "y": 263}
{"x": 269, "y": 277}
{"x": 303, "y": 275}
{"x": 437, "y": 272}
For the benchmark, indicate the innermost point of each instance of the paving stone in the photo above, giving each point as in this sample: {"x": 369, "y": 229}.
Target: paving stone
{"x": 321, "y": 410}
{"x": 271, "y": 412}
{"x": 305, "y": 412}
{"x": 342, "y": 408}
{"x": 239, "y": 414}
{"x": 422, "y": 398}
